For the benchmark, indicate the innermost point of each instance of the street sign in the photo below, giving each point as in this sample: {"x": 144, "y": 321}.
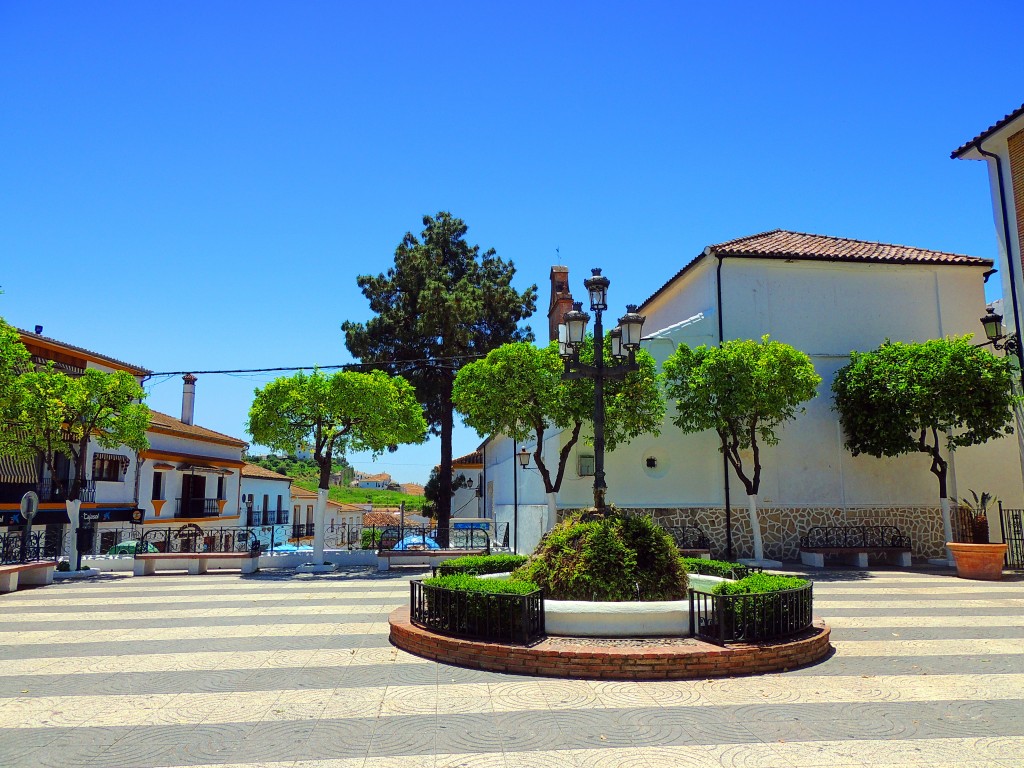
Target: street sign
{"x": 29, "y": 506}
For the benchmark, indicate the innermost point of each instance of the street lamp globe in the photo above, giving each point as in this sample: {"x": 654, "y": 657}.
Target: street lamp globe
{"x": 524, "y": 458}
{"x": 615, "y": 340}
{"x": 597, "y": 287}
{"x": 993, "y": 324}
{"x": 631, "y": 324}
{"x": 576, "y": 322}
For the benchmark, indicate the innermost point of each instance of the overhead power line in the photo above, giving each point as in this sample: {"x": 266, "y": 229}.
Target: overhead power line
{"x": 341, "y": 366}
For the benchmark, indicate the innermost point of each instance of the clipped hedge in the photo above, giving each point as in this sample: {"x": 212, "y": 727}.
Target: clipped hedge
{"x": 465, "y": 582}
{"x": 759, "y": 583}
{"x": 615, "y": 558}
{"x": 721, "y": 568}
{"x": 481, "y": 564}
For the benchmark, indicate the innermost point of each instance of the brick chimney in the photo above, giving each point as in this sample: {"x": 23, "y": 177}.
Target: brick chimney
{"x": 188, "y": 398}
{"x": 561, "y": 300}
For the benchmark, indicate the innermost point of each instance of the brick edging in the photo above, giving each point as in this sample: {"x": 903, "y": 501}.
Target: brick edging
{"x": 613, "y": 663}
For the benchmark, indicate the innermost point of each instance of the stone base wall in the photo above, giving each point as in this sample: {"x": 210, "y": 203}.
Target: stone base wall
{"x": 781, "y": 527}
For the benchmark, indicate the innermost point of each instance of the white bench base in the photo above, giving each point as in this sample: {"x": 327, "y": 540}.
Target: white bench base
{"x": 857, "y": 559}
{"x": 196, "y": 564}
{"x": 26, "y": 575}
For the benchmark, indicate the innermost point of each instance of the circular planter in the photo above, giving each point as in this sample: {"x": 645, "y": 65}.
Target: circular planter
{"x": 662, "y": 618}
{"x": 74, "y": 575}
{"x": 978, "y": 561}
{"x": 315, "y": 568}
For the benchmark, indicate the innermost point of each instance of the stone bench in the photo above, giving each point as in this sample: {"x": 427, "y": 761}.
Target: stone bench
{"x": 26, "y": 575}
{"x": 855, "y": 543}
{"x": 431, "y": 557}
{"x": 196, "y": 562}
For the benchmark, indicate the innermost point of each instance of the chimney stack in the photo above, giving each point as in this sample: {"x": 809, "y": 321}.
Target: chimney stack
{"x": 188, "y": 398}
{"x": 561, "y": 300}
{"x": 39, "y": 330}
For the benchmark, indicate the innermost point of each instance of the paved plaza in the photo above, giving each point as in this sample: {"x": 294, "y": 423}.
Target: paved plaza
{"x": 278, "y": 670}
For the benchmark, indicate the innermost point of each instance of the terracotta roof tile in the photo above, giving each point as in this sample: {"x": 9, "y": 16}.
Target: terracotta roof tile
{"x": 166, "y": 423}
{"x": 476, "y": 457}
{"x": 255, "y": 470}
{"x": 28, "y": 336}
{"x": 783, "y": 244}
{"x": 381, "y": 518}
{"x": 988, "y": 132}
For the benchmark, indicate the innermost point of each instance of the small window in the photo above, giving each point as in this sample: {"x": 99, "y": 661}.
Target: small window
{"x": 220, "y": 487}
{"x": 109, "y": 467}
{"x": 266, "y": 502}
{"x": 158, "y": 485}
{"x": 586, "y": 466}
{"x": 279, "y": 506}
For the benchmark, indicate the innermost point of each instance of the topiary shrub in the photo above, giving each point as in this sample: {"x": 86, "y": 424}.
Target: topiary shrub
{"x": 721, "y": 568}
{"x": 616, "y": 558}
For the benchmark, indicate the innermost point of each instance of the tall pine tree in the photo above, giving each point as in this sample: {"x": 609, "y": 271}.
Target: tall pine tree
{"x": 443, "y": 304}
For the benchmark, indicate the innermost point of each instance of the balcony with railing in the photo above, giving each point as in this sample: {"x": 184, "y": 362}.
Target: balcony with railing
{"x": 196, "y": 507}
{"x": 48, "y": 490}
{"x": 256, "y": 518}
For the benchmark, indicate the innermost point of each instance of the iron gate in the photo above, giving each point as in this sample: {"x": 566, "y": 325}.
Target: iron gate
{"x": 1011, "y": 523}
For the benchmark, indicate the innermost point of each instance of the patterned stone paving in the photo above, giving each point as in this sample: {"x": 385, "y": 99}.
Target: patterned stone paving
{"x": 280, "y": 671}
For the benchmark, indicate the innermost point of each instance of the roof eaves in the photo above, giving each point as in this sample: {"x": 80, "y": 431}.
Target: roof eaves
{"x": 998, "y": 125}
{"x": 105, "y": 358}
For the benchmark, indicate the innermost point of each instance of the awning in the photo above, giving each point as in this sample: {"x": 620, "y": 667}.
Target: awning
{"x": 14, "y": 470}
{"x": 204, "y": 469}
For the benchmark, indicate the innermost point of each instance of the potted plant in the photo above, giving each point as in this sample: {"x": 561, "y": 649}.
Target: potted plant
{"x": 978, "y": 559}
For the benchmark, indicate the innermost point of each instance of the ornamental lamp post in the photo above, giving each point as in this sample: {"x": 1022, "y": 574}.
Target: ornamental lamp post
{"x": 992, "y": 322}
{"x": 624, "y": 342}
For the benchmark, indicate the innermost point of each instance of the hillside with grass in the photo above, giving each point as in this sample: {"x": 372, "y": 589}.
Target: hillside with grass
{"x": 304, "y": 474}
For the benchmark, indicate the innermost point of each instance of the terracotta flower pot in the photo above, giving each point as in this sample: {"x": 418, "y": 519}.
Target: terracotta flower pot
{"x": 978, "y": 561}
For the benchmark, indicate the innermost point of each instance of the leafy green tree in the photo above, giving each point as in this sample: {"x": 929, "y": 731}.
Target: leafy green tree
{"x": 432, "y": 488}
{"x": 442, "y": 304}
{"x": 744, "y": 390}
{"x": 14, "y": 360}
{"x": 518, "y": 390}
{"x": 905, "y": 398}
{"x": 343, "y": 411}
{"x": 52, "y": 414}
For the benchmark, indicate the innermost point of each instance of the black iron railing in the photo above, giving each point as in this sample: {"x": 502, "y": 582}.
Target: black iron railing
{"x": 301, "y": 530}
{"x": 34, "y": 546}
{"x": 754, "y": 617}
{"x": 196, "y": 508}
{"x": 478, "y": 615}
{"x": 193, "y": 539}
{"x": 49, "y": 492}
{"x": 394, "y": 538}
{"x": 688, "y": 537}
{"x": 1011, "y": 525}
{"x": 854, "y": 537}
{"x": 120, "y": 540}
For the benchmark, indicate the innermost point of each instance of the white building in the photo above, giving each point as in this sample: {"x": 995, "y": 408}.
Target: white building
{"x": 266, "y": 504}
{"x": 825, "y": 296}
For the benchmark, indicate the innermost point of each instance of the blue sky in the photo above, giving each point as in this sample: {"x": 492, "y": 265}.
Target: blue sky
{"x": 197, "y": 185}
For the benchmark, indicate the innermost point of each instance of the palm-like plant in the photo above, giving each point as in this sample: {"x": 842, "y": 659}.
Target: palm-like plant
{"x": 978, "y": 506}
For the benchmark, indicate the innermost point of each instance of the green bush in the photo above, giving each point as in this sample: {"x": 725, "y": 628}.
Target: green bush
{"x": 370, "y": 538}
{"x": 759, "y": 583}
{"x": 63, "y": 566}
{"x": 761, "y": 611}
{"x": 480, "y": 607}
{"x": 721, "y": 568}
{"x": 466, "y": 583}
{"x": 481, "y": 564}
{"x": 616, "y": 558}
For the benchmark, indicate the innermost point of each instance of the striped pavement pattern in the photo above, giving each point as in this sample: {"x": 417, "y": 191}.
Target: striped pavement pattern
{"x": 284, "y": 671}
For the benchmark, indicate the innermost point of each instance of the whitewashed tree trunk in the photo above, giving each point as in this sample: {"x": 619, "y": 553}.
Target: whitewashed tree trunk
{"x": 73, "y": 508}
{"x": 319, "y": 516}
{"x": 755, "y": 527}
{"x": 552, "y": 511}
{"x": 947, "y": 525}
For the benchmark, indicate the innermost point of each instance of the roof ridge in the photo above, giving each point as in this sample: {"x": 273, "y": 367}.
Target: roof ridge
{"x": 854, "y": 240}
{"x": 751, "y": 237}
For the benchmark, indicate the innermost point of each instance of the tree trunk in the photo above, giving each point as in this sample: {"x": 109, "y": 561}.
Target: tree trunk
{"x": 755, "y": 526}
{"x": 74, "y": 507}
{"x": 319, "y": 515}
{"x": 947, "y": 526}
{"x": 444, "y": 484}
{"x": 552, "y": 498}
